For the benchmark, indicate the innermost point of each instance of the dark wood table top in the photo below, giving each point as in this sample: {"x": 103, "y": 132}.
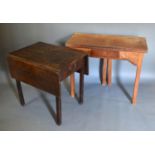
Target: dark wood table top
{"x": 43, "y": 55}
{"x": 107, "y": 42}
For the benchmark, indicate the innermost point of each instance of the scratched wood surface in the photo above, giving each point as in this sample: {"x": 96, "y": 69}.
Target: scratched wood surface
{"x": 49, "y": 56}
{"x": 131, "y": 48}
{"x": 107, "y": 42}
{"x": 44, "y": 65}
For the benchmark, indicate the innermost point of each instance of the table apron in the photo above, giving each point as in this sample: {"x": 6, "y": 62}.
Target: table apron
{"x": 133, "y": 57}
{"x": 75, "y": 67}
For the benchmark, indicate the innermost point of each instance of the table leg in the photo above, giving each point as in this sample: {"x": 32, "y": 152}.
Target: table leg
{"x": 21, "y": 97}
{"x": 81, "y": 85}
{"x": 109, "y": 71}
{"x": 72, "y": 85}
{"x": 58, "y": 110}
{"x": 104, "y": 72}
{"x": 136, "y": 84}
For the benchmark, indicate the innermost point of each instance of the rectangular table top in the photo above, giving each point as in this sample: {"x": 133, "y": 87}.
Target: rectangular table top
{"x": 43, "y": 55}
{"x": 107, "y": 42}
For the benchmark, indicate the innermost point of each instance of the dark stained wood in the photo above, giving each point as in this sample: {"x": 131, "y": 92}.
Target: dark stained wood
{"x": 44, "y": 66}
{"x": 58, "y": 108}
{"x": 19, "y": 88}
{"x": 57, "y": 59}
{"x": 43, "y": 79}
{"x": 81, "y": 86}
{"x": 131, "y": 48}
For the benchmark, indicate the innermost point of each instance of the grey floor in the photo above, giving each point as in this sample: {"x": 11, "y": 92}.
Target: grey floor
{"x": 103, "y": 109}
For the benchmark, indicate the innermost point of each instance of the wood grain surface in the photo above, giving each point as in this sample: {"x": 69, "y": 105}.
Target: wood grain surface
{"x": 108, "y": 47}
{"x": 107, "y": 42}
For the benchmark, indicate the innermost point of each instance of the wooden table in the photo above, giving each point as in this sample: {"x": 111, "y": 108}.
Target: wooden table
{"x": 44, "y": 66}
{"x": 131, "y": 48}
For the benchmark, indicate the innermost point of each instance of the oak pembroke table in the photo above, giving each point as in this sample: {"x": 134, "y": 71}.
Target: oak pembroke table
{"x": 44, "y": 66}
{"x": 131, "y": 48}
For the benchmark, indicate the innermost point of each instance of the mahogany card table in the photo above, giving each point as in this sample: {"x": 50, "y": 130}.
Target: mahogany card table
{"x": 44, "y": 66}
{"x": 131, "y": 48}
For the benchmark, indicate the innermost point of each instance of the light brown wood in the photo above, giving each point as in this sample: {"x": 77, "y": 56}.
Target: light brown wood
{"x": 107, "y": 42}
{"x": 104, "y": 72}
{"x": 136, "y": 84}
{"x": 72, "y": 85}
{"x": 109, "y": 71}
{"x": 119, "y": 47}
